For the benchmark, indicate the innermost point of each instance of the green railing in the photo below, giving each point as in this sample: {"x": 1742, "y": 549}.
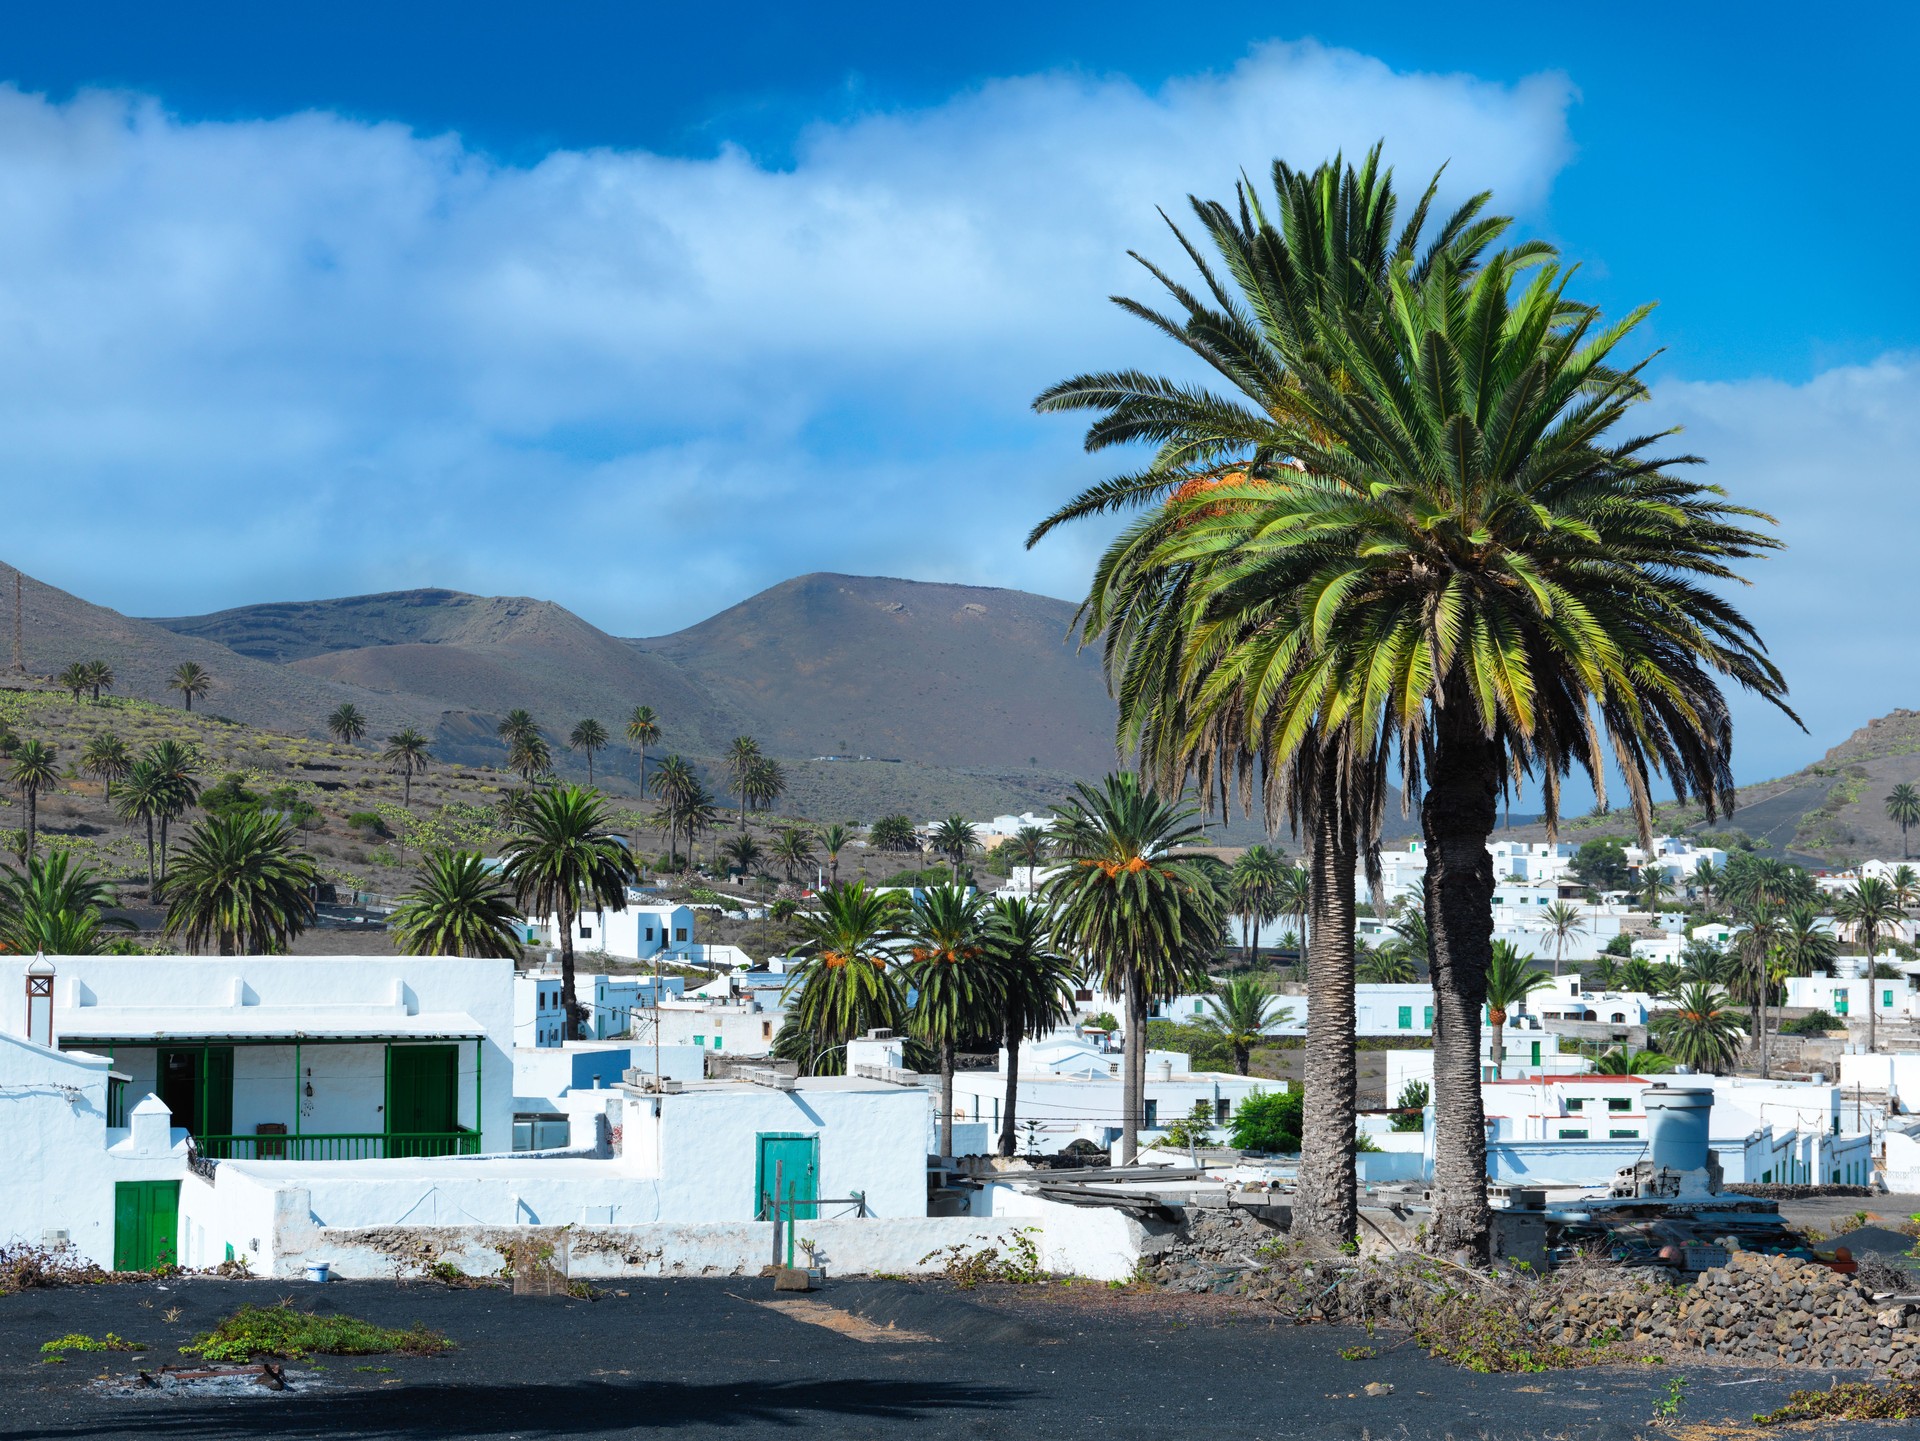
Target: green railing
{"x": 339, "y": 1146}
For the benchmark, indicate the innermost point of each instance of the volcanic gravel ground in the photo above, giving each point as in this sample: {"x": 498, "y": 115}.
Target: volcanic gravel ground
{"x": 703, "y": 1358}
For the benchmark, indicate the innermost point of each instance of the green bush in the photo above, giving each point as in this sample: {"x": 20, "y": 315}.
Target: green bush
{"x": 1620, "y": 945}
{"x": 370, "y": 822}
{"x": 1413, "y": 1100}
{"x": 1193, "y": 1129}
{"x": 1818, "y": 1023}
{"x": 1269, "y": 1121}
{"x": 229, "y": 794}
{"x": 1205, "y": 1049}
{"x": 282, "y": 1331}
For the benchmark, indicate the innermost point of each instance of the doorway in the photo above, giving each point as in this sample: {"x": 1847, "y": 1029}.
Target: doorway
{"x": 146, "y": 1225}
{"x": 795, "y": 1159}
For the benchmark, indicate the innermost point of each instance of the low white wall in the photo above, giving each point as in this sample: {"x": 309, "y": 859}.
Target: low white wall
{"x": 1093, "y": 1241}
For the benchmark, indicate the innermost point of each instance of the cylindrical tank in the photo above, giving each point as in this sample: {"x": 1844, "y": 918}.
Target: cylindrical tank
{"x": 1677, "y": 1125}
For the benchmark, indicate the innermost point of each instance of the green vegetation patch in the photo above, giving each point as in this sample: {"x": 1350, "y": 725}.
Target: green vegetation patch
{"x": 75, "y": 1341}
{"x": 1849, "y": 1401}
{"x": 282, "y": 1331}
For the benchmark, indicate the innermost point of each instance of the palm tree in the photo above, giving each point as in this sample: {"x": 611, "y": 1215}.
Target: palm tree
{"x": 105, "y": 758}
{"x": 955, "y": 983}
{"x": 834, "y": 839}
{"x": 793, "y": 847}
{"x": 588, "y": 736}
{"x": 1135, "y": 911}
{"x": 677, "y": 787}
{"x": 346, "y": 724}
{"x": 766, "y": 782}
{"x": 1253, "y": 891}
{"x": 1511, "y": 978}
{"x": 516, "y": 725}
{"x": 1706, "y": 876}
{"x": 1561, "y": 921}
{"x": 1903, "y": 809}
{"x": 143, "y": 797}
{"x": 1704, "y": 961}
{"x": 99, "y": 677}
{"x": 191, "y": 679}
{"x": 180, "y": 789}
{"x": 1295, "y": 898}
{"x": 1804, "y": 944}
{"x": 893, "y": 833}
{"x": 1654, "y": 887}
{"x": 568, "y": 859}
{"x": 1906, "y": 886}
{"x": 741, "y": 753}
{"x": 1028, "y": 847}
{"x": 75, "y": 679}
{"x": 33, "y": 767}
{"x": 643, "y": 730}
{"x": 1620, "y": 1061}
{"x": 1701, "y": 1030}
{"x": 846, "y": 983}
{"x": 240, "y": 884}
{"x": 1387, "y": 965}
{"x": 1238, "y": 1014}
{"x": 743, "y": 852}
{"x": 954, "y": 838}
{"x": 460, "y": 908}
{"x": 54, "y": 908}
{"x": 1642, "y": 975}
{"x": 1604, "y": 973}
{"x": 1871, "y": 911}
{"x": 1036, "y": 984}
{"x": 407, "y": 752}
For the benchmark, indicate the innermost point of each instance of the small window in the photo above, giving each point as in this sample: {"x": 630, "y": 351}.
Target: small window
{"x": 1576, "y": 1103}
{"x": 679, "y": 933}
{"x": 649, "y": 932}
{"x": 1406, "y": 1018}
{"x": 586, "y": 933}
{"x": 1153, "y": 1114}
{"x": 718, "y": 1042}
{"x": 1083, "y": 995}
{"x": 540, "y": 1000}
{"x": 1619, "y": 1103}
{"x": 1222, "y": 1108}
{"x": 1886, "y": 998}
{"x": 766, "y": 1030}
{"x": 699, "y": 1040}
{"x": 1429, "y": 1020}
{"x": 1623, "y": 1135}
{"x": 1573, "y": 1134}
{"x": 1199, "y": 1006}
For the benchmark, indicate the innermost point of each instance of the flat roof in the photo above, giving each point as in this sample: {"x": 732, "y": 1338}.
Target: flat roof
{"x": 147, "y": 1026}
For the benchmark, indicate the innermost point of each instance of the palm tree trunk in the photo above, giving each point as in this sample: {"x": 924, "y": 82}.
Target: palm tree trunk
{"x": 1456, "y": 817}
{"x": 150, "y": 875}
{"x": 568, "y": 1005}
{"x": 946, "y": 1098}
{"x": 1253, "y": 960}
{"x": 164, "y": 819}
{"x": 1013, "y": 1030}
{"x": 1326, "y": 1204}
{"x": 1134, "y": 1089}
{"x": 33, "y": 821}
{"x": 1499, "y": 1052}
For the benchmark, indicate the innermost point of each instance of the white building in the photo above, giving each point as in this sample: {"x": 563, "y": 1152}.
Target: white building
{"x": 1892, "y": 999}
{"x": 1676, "y": 858}
{"x": 746, "y": 1027}
{"x": 1569, "y": 998}
{"x": 643, "y": 931}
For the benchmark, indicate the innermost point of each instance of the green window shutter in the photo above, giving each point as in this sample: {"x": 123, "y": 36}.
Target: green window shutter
{"x": 1576, "y": 1134}
{"x": 218, "y": 1091}
{"x": 1536, "y": 1053}
{"x": 1429, "y": 1014}
{"x": 699, "y": 1040}
{"x": 1406, "y": 1018}
{"x": 718, "y": 1042}
{"x": 1623, "y": 1135}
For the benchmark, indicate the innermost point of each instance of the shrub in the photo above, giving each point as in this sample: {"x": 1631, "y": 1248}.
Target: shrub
{"x": 1818, "y": 1023}
{"x": 1413, "y": 1100}
{"x": 369, "y": 822}
{"x": 282, "y": 1331}
{"x": 75, "y": 1341}
{"x": 1193, "y": 1129}
{"x": 1269, "y": 1121}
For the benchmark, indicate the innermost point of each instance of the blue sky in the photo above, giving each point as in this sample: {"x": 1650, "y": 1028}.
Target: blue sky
{"x": 643, "y": 310}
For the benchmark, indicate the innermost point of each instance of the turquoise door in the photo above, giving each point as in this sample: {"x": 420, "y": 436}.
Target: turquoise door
{"x": 795, "y": 1159}
{"x": 146, "y": 1225}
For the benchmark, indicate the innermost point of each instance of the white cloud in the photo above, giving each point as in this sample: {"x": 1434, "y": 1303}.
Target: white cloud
{"x": 310, "y": 355}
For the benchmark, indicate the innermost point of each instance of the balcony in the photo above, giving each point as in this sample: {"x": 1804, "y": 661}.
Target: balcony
{"x": 339, "y": 1146}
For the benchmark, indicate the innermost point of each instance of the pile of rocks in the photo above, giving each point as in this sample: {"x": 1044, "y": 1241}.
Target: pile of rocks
{"x": 1214, "y": 1251}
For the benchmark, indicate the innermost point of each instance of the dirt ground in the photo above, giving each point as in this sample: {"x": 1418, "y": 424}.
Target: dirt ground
{"x": 710, "y": 1358}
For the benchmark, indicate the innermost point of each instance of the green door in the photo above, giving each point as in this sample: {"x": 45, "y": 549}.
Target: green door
{"x": 146, "y": 1225}
{"x": 196, "y": 1082}
{"x": 797, "y": 1159}
{"x": 423, "y": 1100}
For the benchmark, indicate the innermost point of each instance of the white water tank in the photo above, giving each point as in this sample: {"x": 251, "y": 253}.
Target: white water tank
{"x": 1677, "y": 1119}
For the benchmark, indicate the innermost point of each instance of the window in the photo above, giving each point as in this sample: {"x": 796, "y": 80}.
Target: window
{"x": 1623, "y": 1135}
{"x": 1199, "y": 1006}
{"x": 1222, "y": 1107}
{"x": 1536, "y": 1054}
{"x": 718, "y": 1042}
{"x": 1619, "y": 1103}
{"x": 586, "y": 933}
{"x": 1886, "y": 998}
{"x": 1576, "y": 1103}
{"x": 1083, "y": 995}
{"x": 1577, "y": 1133}
{"x": 1153, "y": 1115}
{"x": 649, "y": 932}
{"x": 1429, "y": 1020}
{"x": 1406, "y": 1018}
{"x": 1619, "y": 1017}
{"x": 1766, "y": 1178}
{"x": 699, "y": 1040}
{"x": 766, "y": 1030}
{"x": 539, "y": 1000}
{"x": 679, "y": 933}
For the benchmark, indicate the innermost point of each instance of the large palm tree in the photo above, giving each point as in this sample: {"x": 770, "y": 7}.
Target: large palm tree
{"x": 1238, "y": 1014}
{"x": 99, "y": 677}
{"x": 834, "y": 839}
{"x": 1706, "y": 878}
{"x": 643, "y": 730}
{"x": 517, "y": 724}
{"x": 766, "y": 782}
{"x": 180, "y": 788}
{"x": 191, "y": 679}
{"x": 954, "y": 980}
{"x": 1253, "y": 891}
{"x": 588, "y": 736}
{"x": 1140, "y": 914}
{"x": 54, "y": 908}
{"x": 1187, "y": 628}
{"x": 741, "y": 754}
{"x": 143, "y": 797}
{"x": 240, "y": 884}
{"x": 1906, "y": 887}
{"x": 460, "y": 908}
{"x": 568, "y": 859}
{"x": 75, "y": 679}
{"x": 33, "y": 767}
{"x": 743, "y": 853}
{"x": 674, "y": 783}
{"x": 1620, "y": 1061}
{"x": 1029, "y": 847}
{"x": 105, "y": 758}
{"x": 1700, "y": 1030}
{"x": 346, "y": 724}
{"x": 1385, "y": 965}
{"x": 407, "y": 752}
{"x": 954, "y": 838}
{"x": 530, "y": 756}
{"x": 1903, "y": 809}
{"x": 1511, "y": 978}
{"x": 1036, "y": 983}
{"x": 847, "y": 982}
{"x": 1560, "y": 922}
{"x": 1872, "y": 913}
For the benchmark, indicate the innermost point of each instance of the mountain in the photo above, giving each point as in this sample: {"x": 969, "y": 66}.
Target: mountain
{"x": 946, "y": 675}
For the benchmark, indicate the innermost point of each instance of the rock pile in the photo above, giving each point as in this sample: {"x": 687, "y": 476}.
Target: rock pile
{"x": 1214, "y": 1251}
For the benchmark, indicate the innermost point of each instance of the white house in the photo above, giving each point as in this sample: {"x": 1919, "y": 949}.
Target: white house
{"x": 642, "y": 932}
{"x": 1569, "y": 998}
{"x": 1892, "y": 999}
{"x": 746, "y": 1027}
{"x": 1675, "y": 858}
